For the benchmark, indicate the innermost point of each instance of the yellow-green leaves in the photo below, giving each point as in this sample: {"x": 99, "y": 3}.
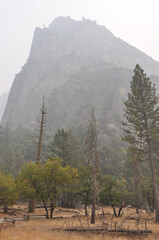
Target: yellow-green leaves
{"x": 8, "y": 193}
{"x": 45, "y": 181}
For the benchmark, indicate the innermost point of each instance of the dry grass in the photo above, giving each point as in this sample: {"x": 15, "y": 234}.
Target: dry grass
{"x": 40, "y": 229}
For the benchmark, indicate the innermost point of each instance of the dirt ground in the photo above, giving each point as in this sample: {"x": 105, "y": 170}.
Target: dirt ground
{"x": 48, "y": 229}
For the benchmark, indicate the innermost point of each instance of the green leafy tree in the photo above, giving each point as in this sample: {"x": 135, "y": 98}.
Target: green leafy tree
{"x": 142, "y": 118}
{"x": 84, "y": 187}
{"x": 110, "y": 192}
{"x": 8, "y": 193}
{"x": 69, "y": 192}
{"x": 46, "y": 181}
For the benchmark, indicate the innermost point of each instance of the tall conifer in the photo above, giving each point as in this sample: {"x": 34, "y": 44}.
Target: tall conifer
{"x": 142, "y": 121}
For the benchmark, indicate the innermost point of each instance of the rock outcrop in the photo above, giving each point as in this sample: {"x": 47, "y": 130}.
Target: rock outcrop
{"x": 3, "y": 102}
{"x": 76, "y": 65}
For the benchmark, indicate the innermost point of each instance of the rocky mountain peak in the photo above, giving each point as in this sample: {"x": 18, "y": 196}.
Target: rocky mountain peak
{"x": 67, "y": 55}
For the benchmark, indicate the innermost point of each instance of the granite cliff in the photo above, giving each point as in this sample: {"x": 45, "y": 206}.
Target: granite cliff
{"x": 3, "y": 102}
{"x": 76, "y": 65}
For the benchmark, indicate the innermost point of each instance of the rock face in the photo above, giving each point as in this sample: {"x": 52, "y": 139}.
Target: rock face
{"x": 3, "y": 102}
{"x": 76, "y": 65}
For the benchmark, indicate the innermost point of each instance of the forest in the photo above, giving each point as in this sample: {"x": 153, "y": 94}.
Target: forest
{"x": 74, "y": 169}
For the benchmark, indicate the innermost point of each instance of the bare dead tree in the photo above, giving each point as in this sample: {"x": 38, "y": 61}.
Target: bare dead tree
{"x": 92, "y": 156}
{"x": 41, "y": 122}
{"x": 41, "y": 132}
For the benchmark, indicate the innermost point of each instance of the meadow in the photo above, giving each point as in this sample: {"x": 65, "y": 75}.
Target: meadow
{"x": 48, "y": 229}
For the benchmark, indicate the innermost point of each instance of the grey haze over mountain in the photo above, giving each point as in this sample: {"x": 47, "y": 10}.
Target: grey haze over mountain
{"x": 3, "y": 102}
{"x": 76, "y": 65}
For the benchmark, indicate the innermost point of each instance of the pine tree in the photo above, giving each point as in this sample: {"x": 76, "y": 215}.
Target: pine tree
{"x": 142, "y": 118}
{"x": 65, "y": 146}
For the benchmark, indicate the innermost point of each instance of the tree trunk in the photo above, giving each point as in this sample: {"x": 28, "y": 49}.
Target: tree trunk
{"x": 121, "y": 207}
{"x": 32, "y": 203}
{"x": 5, "y": 208}
{"x": 136, "y": 188}
{"x": 154, "y": 182}
{"x": 52, "y": 208}
{"x": 114, "y": 209}
{"x": 97, "y": 201}
{"x": 90, "y": 148}
{"x": 39, "y": 151}
{"x": 155, "y": 188}
{"x": 85, "y": 208}
{"x": 151, "y": 209}
{"x": 45, "y": 206}
{"x": 94, "y": 188}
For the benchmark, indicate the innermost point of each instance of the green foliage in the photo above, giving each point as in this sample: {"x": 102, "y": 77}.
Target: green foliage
{"x": 45, "y": 181}
{"x": 113, "y": 191}
{"x": 23, "y": 140}
{"x": 65, "y": 146}
{"x": 147, "y": 191}
{"x": 11, "y": 157}
{"x": 84, "y": 187}
{"x": 27, "y": 178}
{"x": 110, "y": 192}
{"x": 112, "y": 159}
{"x": 8, "y": 191}
{"x": 141, "y": 125}
{"x": 7, "y": 153}
{"x": 141, "y": 110}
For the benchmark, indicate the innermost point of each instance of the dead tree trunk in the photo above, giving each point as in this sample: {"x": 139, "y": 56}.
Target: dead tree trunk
{"x": 92, "y": 156}
{"x": 94, "y": 188}
{"x": 41, "y": 130}
{"x": 32, "y": 202}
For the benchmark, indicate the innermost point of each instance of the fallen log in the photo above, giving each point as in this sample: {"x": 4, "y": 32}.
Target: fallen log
{"x": 130, "y": 231}
{"x": 64, "y": 210}
{"x": 142, "y": 218}
{"x": 16, "y": 209}
{"x": 68, "y": 216}
{"x": 7, "y": 219}
{"x": 86, "y": 229}
{"x": 13, "y": 209}
{"x": 36, "y": 216}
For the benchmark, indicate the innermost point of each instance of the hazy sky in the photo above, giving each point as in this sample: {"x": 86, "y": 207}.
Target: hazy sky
{"x": 135, "y": 21}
